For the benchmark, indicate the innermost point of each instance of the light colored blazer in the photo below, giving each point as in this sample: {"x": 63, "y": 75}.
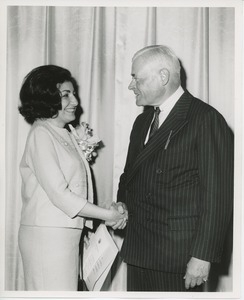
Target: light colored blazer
{"x": 55, "y": 178}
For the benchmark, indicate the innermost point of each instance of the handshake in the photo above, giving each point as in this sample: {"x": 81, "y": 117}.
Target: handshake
{"x": 120, "y": 216}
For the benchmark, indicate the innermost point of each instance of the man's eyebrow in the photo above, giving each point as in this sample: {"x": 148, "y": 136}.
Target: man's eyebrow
{"x": 133, "y": 75}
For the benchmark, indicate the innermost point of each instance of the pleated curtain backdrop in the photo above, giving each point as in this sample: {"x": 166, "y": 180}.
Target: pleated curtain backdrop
{"x": 96, "y": 44}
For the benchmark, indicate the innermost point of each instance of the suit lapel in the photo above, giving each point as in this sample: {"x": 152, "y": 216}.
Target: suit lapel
{"x": 145, "y": 128}
{"x": 175, "y": 121}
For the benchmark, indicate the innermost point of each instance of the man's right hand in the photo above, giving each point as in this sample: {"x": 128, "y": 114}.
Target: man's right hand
{"x": 122, "y": 209}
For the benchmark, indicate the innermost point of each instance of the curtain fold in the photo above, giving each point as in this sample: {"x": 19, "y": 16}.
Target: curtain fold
{"x": 222, "y": 62}
{"x": 96, "y": 44}
{"x": 151, "y": 29}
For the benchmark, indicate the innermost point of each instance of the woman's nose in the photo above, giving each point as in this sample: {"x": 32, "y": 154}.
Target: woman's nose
{"x": 74, "y": 100}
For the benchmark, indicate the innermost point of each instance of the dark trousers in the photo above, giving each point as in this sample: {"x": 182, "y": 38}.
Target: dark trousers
{"x": 140, "y": 279}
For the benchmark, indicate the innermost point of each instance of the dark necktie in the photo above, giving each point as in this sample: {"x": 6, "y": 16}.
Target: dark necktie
{"x": 155, "y": 123}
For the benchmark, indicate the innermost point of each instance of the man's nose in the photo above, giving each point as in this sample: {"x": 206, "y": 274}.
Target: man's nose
{"x": 132, "y": 84}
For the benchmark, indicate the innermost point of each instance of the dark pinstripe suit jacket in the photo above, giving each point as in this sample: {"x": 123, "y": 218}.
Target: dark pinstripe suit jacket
{"x": 178, "y": 188}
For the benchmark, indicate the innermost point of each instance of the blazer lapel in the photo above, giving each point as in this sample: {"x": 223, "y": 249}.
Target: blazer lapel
{"x": 175, "y": 121}
{"x": 88, "y": 222}
{"x": 87, "y": 167}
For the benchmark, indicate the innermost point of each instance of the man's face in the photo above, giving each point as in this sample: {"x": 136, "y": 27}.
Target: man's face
{"x": 146, "y": 83}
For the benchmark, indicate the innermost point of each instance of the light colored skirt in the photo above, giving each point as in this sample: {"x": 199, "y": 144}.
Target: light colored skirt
{"x": 50, "y": 258}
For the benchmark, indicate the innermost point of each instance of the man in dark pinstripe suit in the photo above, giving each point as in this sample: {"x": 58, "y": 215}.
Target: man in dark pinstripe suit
{"x": 177, "y": 184}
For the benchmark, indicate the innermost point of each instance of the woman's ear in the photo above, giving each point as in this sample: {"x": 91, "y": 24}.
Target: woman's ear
{"x": 164, "y": 74}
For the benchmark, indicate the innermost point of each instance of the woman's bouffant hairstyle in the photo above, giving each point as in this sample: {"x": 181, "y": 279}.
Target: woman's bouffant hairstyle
{"x": 40, "y": 96}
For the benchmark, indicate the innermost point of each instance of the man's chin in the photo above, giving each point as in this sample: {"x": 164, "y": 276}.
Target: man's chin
{"x": 138, "y": 102}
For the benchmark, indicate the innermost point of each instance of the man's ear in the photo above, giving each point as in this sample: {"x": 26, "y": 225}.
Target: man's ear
{"x": 164, "y": 74}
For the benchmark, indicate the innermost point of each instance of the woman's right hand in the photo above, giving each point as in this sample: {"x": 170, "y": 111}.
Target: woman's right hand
{"x": 119, "y": 216}
{"x": 116, "y": 216}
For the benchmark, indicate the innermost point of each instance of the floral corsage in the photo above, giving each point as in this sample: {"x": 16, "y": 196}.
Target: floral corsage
{"x": 86, "y": 139}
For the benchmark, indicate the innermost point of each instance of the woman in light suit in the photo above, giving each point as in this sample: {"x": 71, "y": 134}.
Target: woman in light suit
{"x": 56, "y": 183}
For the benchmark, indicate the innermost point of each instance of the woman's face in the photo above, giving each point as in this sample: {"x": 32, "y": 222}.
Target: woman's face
{"x": 69, "y": 103}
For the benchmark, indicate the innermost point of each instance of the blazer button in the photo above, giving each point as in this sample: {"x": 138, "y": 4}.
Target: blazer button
{"x": 159, "y": 171}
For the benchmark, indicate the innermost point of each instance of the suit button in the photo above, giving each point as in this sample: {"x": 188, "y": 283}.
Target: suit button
{"x": 159, "y": 171}
{"x": 77, "y": 185}
{"x": 148, "y": 196}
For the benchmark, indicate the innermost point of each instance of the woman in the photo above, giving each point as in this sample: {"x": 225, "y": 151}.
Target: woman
{"x": 56, "y": 183}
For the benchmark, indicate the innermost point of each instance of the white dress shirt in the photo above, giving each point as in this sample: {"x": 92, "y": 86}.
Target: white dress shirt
{"x": 166, "y": 107}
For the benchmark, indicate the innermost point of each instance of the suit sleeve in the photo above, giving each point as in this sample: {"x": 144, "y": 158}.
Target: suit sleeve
{"x": 216, "y": 163}
{"x": 121, "y": 194}
{"x": 131, "y": 155}
{"x": 43, "y": 160}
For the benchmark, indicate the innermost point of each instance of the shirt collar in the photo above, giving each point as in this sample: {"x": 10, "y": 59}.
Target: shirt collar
{"x": 171, "y": 101}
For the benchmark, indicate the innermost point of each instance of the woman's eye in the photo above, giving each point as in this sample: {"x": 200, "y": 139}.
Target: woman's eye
{"x": 65, "y": 95}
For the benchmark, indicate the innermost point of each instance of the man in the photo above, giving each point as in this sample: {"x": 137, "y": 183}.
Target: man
{"x": 177, "y": 184}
